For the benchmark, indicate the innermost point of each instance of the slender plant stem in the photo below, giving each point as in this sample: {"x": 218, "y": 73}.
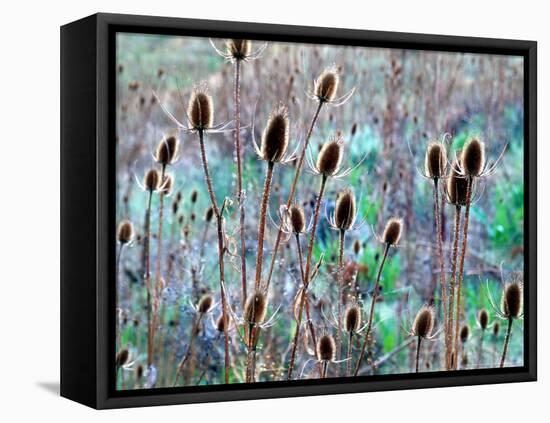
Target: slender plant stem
{"x": 306, "y": 275}
{"x": 506, "y": 342}
{"x": 120, "y": 248}
{"x": 261, "y": 225}
{"x": 462, "y": 258}
{"x": 221, "y": 251}
{"x": 148, "y": 280}
{"x": 194, "y": 330}
{"x": 292, "y": 190}
{"x": 442, "y": 279}
{"x": 418, "y": 352}
{"x": 240, "y": 193}
{"x": 340, "y": 282}
{"x": 348, "y": 356}
{"x": 371, "y": 313}
{"x": 480, "y": 350}
{"x": 454, "y": 259}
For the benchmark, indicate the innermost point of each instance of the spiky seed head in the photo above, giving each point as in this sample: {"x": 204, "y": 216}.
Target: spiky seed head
{"x": 392, "y": 231}
{"x": 356, "y": 247}
{"x": 175, "y": 207}
{"x": 483, "y": 318}
{"x": 512, "y": 300}
{"x": 194, "y": 195}
{"x": 167, "y": 185}
{"x": 424, "y": 322}
{"x": 255, "y": 308}
{"x": 205, "y": 304}
{"x": 326, "y": 85}
{"x": 209, "y": 214}
{"x": 352, "y": 318}
{"x": 238, "y": 49}
{"x": 201, "y": 109}
{"x": 220, "y": 323}
{"x": 139, "y": 372}
{"x": 151, "y": 182}
{"x": 435, "y": 161}
{"x": 122, "y": 357}
{"x": 329, "y": 159}
{"x": 345, "y": 210}
{"x": 178, "y": 197}
{"x": 473, "y": 158}
{"x": 167, "y": 150}
{"x": 464, "y": 333}
{"x": 326, "y": 348}
{"x": 297, "y": 218}
{"x": 496, "y": 329}
{"x": 276, "y": 135}
{"x": 457, "y": 188}
{"x": 125, "y": 232}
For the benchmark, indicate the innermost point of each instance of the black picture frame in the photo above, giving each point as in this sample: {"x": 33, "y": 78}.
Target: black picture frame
{"x": 88, "y": 220}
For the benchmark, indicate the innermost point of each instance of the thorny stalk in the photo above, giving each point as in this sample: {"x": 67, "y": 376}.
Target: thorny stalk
{"x": 261, "y": 224}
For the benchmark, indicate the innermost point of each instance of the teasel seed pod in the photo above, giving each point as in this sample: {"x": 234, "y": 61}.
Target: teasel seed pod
{"x": 464, "y": 333}
{"x": 483, "y": 318}
{"x": 326, "y": 85}
{"x": 457, "y": 187}
{"x": 356, "y": 247}
{"x": 326, "y": 348}
{"x": 167, "y": 150}
{"x": 496, "y": 329}
{"x": 167, "y": 185}
{"x": 125, "y": 232}
{"x": 424, "y": 322}
{"x": 352, "y": 319}
{"x": 512, "y": 300}
{"x": 139, "y": 372}
{"x": 238, "y": 49}
{"x": 205, "y": 304}
{"x": 194, "y": 195}
{"x": 275, "y": 137}
{"x": 392, "y": 231}
{"x": 220, "y": 324}
{"x": 209, "y": 214}
{"x": 473, "y": 158}
{"x": 345, "y": 210}
{"x": 329, "y": 159}
{"x": 151, "y": 182}
{"x": 175, "y": 207}
{"x": 122, "y": 357}
{"x": 435, "y": 161}
{"x": 200, "y": 111}
{"x": 255, "y": 308}
{"x": 297, "y": 218}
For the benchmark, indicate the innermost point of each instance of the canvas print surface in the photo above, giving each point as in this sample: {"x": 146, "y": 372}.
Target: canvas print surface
{"x": 298, "y": 211}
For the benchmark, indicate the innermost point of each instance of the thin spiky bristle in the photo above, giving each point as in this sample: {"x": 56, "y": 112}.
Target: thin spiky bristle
{"x": 329, "y": 159}
{"x": 326, "y": 348}
{"x": 424, "y": 322}
{"x": 483, "y": 318}
{"x": 392, "y": 231}
{"x": 352, "y": 319}
{"x": 464, "y": 333}
{"x": 435, "y": 160}
{"x": 345, "y": 210}
{"x": 205, "y": 304}
{"x": 167, "y": 150}
{"x": 473, "y": 158}
{"x": 297, "y": 219}
{"x": 125, "y": 232}
{"x": 151, "y": 182}
{"x": 326, "y": 85}
{"x": 238, "y": 49}
{"x": 201, "y": 110}
{"x": 512, "y": 300}
{"x": 255, "y": 308}
{"x": 275, "y": 137}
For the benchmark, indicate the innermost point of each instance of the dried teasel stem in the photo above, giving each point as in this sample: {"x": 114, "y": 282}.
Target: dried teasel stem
{"x": 297, "y": 173}
{"x": 371, "y": 312}
{"x": 340, "y": 282}
{"x": 461, "y": 263}
{"x": 261, "y": 224}
{"x": 506, "y": 342}
{"x": 221, "y": 249}
{"x": 454, "y": 260}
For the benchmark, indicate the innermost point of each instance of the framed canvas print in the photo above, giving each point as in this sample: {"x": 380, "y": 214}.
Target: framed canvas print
{"x": 255, "y": 211}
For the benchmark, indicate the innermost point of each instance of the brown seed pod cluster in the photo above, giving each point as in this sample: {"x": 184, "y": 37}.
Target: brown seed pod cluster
{"x": 326, "y": 85}
{"x": 297, "y": 219}
{"x": 205, "y": 304}
{"x": 255, "y": 308}
{"x": 352, "y": 319}
{"x": 512, "y": 300}
{"x": 238, "y": 49}
{"x": 345, "y": 210}
{"x": 435, "y": 161}
{"x": 167, "y": 185}
{"x": 496, "y": 329}
{"x": 122, "y": 357}
{"x": 483, "y": 318}
{"x": 200, "y": 111}
{"x": 464, "y": 333}
{"x": 209, "y": 214}
{"x": 275, "y": 137}
{"x": 424, "y": 322}
{"x": 166, "y": 152}
{"x": 125, "y": 232}
{"x": 329, "y": 159}
{"x": 457, "y": 188}
{"x": 151, "y": 182}
{"x": 194, "y": 195}
{"x": 473, "y": 158}
{"x": 220, "y": 324}
{"x": 326, "y": 348}
{"x": 392, "y": 231}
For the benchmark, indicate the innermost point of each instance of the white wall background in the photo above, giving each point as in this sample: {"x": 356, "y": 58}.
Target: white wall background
{"x": 29, "y": 235}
